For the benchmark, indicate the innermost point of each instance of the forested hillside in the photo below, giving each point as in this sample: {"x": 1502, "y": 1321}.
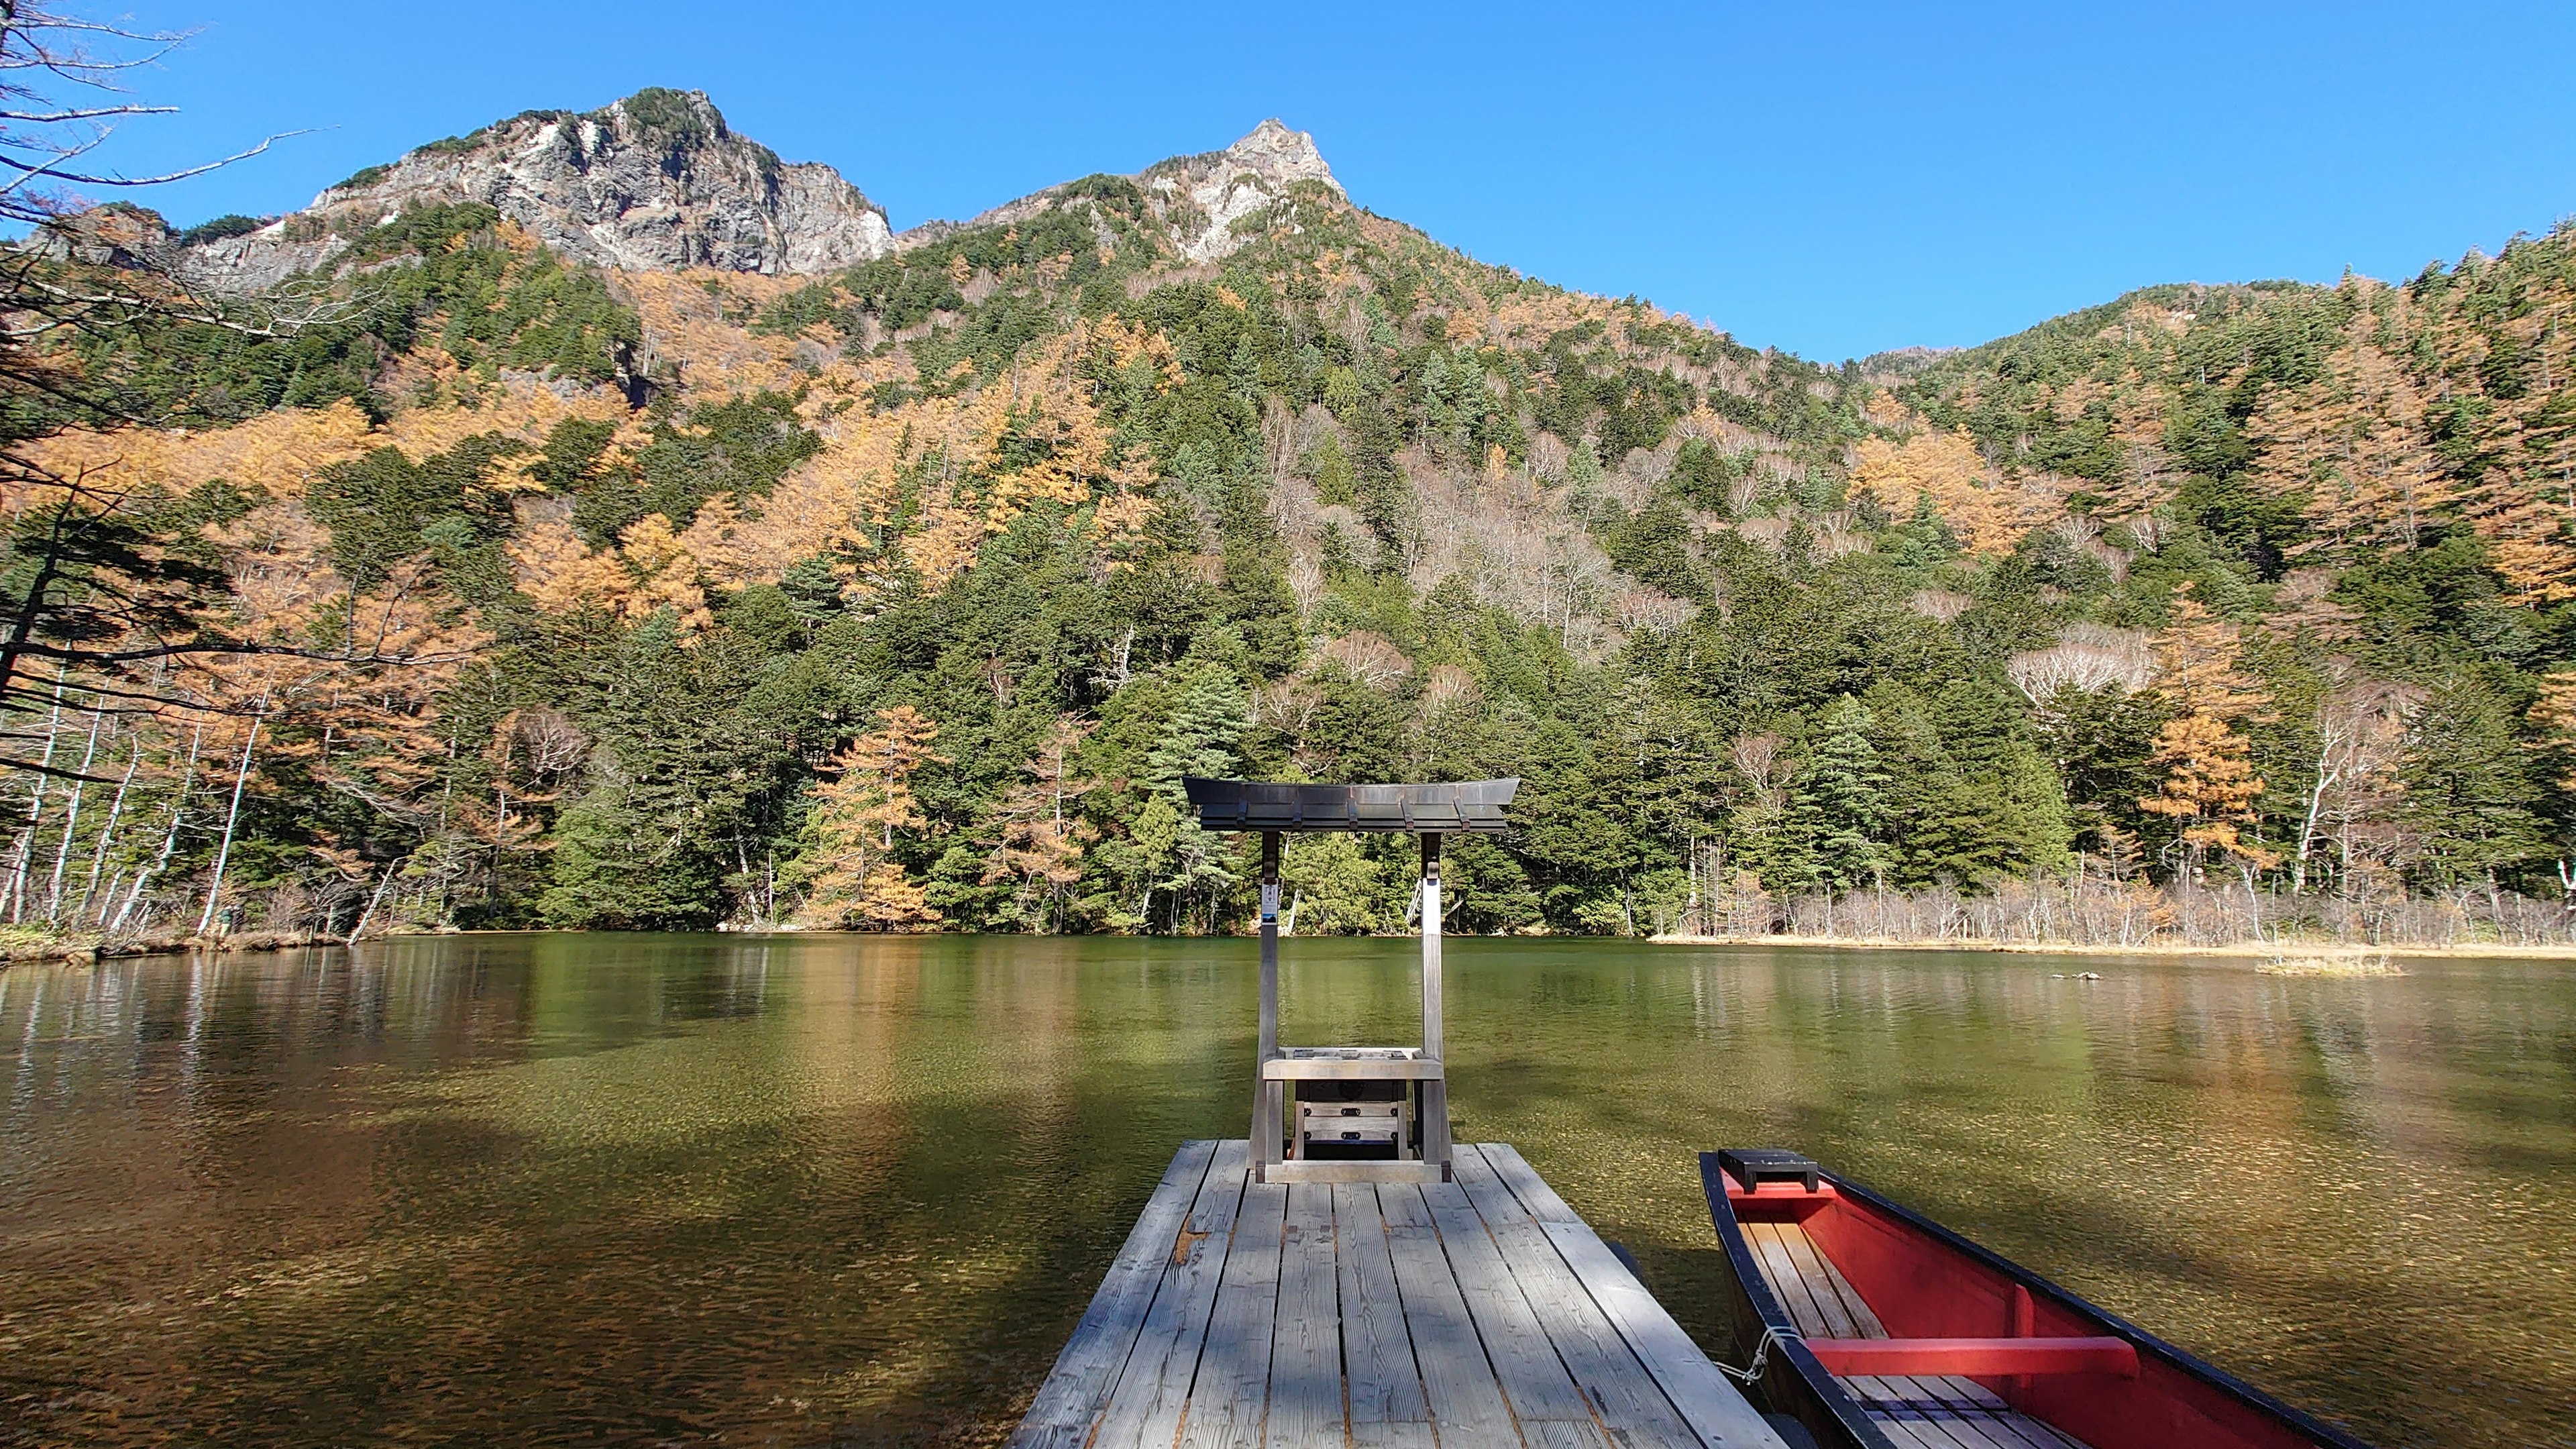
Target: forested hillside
{"x": 901, "y": 597}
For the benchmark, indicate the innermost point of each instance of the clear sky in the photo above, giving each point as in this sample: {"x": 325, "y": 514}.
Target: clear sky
{"x": 1831, "y": 179}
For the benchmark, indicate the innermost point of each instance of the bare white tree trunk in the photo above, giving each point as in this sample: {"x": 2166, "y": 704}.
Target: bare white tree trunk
{"x": 71, "y": 820}
{"x": 374, "y": 901}
{"x": 35, "y": 811}
{"x": 106, "y": 836}
{"x": 232, "y": 818}
{"x": 169, "y": 838}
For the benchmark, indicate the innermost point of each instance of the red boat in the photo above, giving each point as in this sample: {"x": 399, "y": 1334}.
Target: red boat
{"x": 1878, "y": 1329}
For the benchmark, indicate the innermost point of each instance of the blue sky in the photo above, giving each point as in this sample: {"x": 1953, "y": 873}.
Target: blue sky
{"x": 1829, "y": 179}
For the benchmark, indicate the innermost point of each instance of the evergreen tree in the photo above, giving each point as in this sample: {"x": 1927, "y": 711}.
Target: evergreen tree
{"x": 1198, "y": 740}
{"x": 1842, "y": 799}
{"x": 2467, "y": 778}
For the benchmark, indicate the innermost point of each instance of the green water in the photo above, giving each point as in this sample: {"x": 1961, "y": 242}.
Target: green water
{"x": 651, "y": 1190}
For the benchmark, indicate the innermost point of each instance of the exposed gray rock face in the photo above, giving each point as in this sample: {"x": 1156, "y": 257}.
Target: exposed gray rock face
{"x": 1199, "y": 197}
{"x": 658, "y": 182}
{"x": 655, "y": 182}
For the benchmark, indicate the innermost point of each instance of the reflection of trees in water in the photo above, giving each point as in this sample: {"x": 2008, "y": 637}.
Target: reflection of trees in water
{"x": 510, "y": 1186}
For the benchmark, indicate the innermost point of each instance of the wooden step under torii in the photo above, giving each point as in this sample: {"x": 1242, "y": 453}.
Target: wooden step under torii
{"x": 1351, "y": 1113}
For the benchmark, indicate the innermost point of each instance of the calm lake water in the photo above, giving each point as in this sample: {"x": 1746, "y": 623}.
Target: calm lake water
{"x": 743, "y": 1190}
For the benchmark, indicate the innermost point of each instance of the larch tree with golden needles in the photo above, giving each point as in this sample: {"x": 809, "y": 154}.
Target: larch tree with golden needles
{"x": 2209, "y": 786}
{"x": 1987, "y": 514}
{"x": 2209, "y": 790}
{"x": 1042, "y": 835}
{"x": 2356, "y": 444}
{"x": 853, "y": 879}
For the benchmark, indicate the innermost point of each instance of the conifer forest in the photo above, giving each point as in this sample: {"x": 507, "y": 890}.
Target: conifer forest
{"x": 460, "y": 581}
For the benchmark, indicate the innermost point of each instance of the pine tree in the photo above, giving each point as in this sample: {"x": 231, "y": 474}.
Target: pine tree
{"x": 1842, "y": 799}
{"x": 2467, "y": 778}
{"x": 1197, "y": 741}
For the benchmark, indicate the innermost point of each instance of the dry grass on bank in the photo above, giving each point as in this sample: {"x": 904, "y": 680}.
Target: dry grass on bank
{"x": 2313, "y": 958}
{"x": 2378, "y": 965}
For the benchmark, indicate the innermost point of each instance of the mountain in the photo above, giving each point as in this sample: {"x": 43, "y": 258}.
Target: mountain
{"x": 659, "y": 182}
{"x": 1198, "y": 198}
{"x": 729, "y": 558}
{"x": 654, "y": 182}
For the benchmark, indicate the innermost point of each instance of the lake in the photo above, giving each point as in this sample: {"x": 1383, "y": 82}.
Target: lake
{"x": 834, "y": 1190}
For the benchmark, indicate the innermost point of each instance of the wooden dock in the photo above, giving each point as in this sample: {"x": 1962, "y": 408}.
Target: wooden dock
{"x": 1468, "y": 1313}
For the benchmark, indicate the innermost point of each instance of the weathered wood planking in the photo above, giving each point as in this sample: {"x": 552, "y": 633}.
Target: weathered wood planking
{"x": 1716, "y": 1411}
{"x": 1599, "y": 1360}
{"x": 1316, "y": 1316}
{"x": 1534, "y": 1378}
{"x": 1306, "y": 1343}
{"x": 1154, "y": 1387}
{"x": 1933, "y": 1411}
{"x": 1088, "y": 1367}
{"x": 1380, "y": 1383}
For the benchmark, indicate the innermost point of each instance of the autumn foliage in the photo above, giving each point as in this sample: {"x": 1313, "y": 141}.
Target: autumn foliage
{"x": 899, "y": 599}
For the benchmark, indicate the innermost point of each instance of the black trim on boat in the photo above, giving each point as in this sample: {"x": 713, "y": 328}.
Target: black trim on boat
{"x": 1811, "y": 1395}
{"x": 1847, "y": 1411}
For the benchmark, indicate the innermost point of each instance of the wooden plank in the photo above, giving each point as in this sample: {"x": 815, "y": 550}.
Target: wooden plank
{"x": 1413, "y": 1173}
{"x": 1354, "y": 1114}
{"x": 1087, "y": 1368}
{"x": 1897, "y": 1403}
{"x": 1146, "y": 1406}
{"x": 1561, "y": 1434}
{"x": 1863, "y": 1316}
{"x": 1707, "y": 1402}
{"x": 1350, "y": 1053}
{"x": 1393, "y": 1434}
{"x": 1306, "y": 1347}
{"x": 1536, "y": 1197}
{"x": 1231, "y": 1393}
{"x": 1466, "y": 1403}
{"x": 1912, "y": 1434}
{"x": 1940, "y": 1415}
{"x": 1810, "y": 1267}
{"x": 1631, "y": 1406}
{"x": 1786, "y": 1285}
{"x": 1966, "y": 1431}
{"x": 1360, "y": 1069}
{"x": 1377, "y": 1353}
{"x": 1968, "y": 1391}
{"x": 1992, "y": 1420}
{"x": 1534, "y": 1379}
{"x": 2004, "y": 1430}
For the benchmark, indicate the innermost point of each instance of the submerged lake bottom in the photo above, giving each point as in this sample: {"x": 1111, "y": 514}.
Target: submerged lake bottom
{"x": 792, "y": 1190}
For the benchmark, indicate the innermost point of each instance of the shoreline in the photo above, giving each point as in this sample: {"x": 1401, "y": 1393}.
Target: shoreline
{"x": 88, "y": 952}
{"x": 2231, "y": 950}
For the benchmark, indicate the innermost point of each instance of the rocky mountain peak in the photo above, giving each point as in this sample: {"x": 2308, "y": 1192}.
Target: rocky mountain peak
{"x": 1223, "y": 187}
{"x": 1200, "y": 198}
{"x": 1278, "y": 154}
{"x": 659, "y": 182}
{"x": 654, "y": 182}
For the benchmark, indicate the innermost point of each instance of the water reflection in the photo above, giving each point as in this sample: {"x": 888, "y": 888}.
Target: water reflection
{"x": 785, "y": 1190}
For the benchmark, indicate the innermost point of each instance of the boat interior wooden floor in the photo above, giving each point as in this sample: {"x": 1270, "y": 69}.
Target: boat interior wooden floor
{"x": 1936, "y": 1411}
{"x": 1468, "y": 1313}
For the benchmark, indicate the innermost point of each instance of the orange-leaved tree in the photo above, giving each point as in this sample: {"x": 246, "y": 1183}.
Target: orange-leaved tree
{"x": 852, "y": 878}
{"x": 2209, "y": 789}
{"x": 2209, "y": 786}
{"x": 1042, "y": 835}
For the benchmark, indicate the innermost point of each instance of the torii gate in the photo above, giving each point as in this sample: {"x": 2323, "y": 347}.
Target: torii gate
{"x": 1371, "y": 1113}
